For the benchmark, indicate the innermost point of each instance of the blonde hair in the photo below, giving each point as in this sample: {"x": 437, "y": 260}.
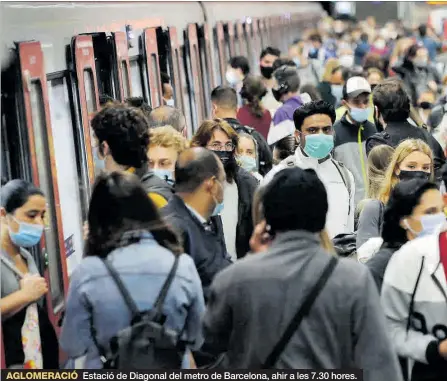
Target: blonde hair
{"x": 168, "y": 137}
{"x": 332, "y": 65}
{"x": 401, "y": 152}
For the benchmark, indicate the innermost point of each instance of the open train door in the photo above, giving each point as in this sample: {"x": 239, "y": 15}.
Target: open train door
{"x": 121, "y": 64}
{"x": 35, "y": 123}
{"x": 86, "y": 85}
{"x": 194, "y": 76}
{"x": 206, "y": 52}
{"x": 150, "y": 56}
{"x": 170, "y": 62}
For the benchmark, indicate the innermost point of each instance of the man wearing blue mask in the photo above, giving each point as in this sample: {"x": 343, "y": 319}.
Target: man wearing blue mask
{"x": 352, "y": 130}
{"x": 165, "y": 145}
{"x": 193, "y": 211}
{"x": 313, "y": 122}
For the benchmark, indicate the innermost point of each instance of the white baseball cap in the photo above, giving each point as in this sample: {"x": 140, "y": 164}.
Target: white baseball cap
{"x": 356, "y": 86}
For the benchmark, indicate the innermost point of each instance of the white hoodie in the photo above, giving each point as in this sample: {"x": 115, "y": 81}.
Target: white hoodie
{"x": 340, "y": 217}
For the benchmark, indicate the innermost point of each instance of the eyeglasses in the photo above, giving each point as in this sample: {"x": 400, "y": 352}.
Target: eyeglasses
{"x": 222, "y": 147}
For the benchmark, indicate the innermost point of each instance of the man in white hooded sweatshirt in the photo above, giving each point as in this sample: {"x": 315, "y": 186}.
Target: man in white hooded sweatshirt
{"x": 313, "y": 123}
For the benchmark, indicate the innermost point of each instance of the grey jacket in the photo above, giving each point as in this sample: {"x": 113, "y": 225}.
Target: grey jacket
{"x": 254, "y": 300}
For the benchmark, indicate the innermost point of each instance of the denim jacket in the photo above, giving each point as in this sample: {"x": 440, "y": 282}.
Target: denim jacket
{"x": 94, "y": 299}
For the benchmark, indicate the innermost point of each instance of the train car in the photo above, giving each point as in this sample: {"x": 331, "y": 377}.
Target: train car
{"x": 58, "y": 59}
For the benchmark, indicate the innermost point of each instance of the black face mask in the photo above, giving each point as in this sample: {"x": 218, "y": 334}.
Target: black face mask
{"x": 277, "y": 93}
{"x": 410, "y": 175}
{"x": 225, "y": 156}
{"x": 373, "y": 87}
{"x": 426, "y": 105}
{"x": 266, "y": 71}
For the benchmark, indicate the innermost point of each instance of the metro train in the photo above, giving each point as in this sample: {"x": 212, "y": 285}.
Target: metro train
{"x": 63, "y": 57}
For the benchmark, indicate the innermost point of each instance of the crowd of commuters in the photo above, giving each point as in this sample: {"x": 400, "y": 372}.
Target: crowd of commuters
{"x": 335, "y": 149}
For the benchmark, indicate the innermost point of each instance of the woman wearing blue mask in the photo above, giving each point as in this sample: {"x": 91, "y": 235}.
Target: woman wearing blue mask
{"x": 29, "y": 338}
{"x": 247, "y": 154}
{"x": 414, "y": 209}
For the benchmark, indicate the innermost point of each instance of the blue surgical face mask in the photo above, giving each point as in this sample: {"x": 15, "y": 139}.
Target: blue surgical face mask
{"x": 100, "y": 164}
{"x": 297, "y": 62}
{"x": 164, "y": 174}
{"x": 337, "y": 91}
{"x": 430, "y": 223}
{"x": 219, "y": 206}
{"x": 248, "y": 163}
{"x": 359, "y": 114}
{"x": 28, "y": 234}
{"x": 319, "y": 146}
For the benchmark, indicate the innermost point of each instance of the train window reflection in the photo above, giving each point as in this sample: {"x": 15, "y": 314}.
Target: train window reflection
{"x": 125, "y": 76}
{"x": 90, "y": 96}
{"x": 156, "y": 75}
{"x": 51, "y": 249}
{"x": 135, "y": 77}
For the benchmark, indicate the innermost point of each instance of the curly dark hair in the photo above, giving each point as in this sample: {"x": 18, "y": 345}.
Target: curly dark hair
{"x": 120, "y": 212}
{"x": 253, "y": 90}
{"x": 312, "y": 108}
{"x": 125, "y": 129}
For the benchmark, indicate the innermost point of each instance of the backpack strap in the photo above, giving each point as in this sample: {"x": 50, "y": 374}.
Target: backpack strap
{"x": 128, "y": 298}
{"x": 302, "y": 312}
{"x": 346, "y": 179}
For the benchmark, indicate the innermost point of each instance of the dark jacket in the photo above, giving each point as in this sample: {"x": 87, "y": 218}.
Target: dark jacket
{"x": 265, "y": 154}
{"x": 396, "y": 132}
{"x": 416, "y": 79}
{"x": 378, "y": 263}
{"x": 325, "y": 90}
{"x": 246, "y": 185}
{"x": 349, "y": 149}
{"x": 207, "y": 248}
{"x": 435, "y": 118}
{"x": 153, "y": 184}
{"x": 252, "y": 302}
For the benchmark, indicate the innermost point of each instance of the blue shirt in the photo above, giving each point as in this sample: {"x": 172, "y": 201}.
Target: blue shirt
{"x": 431, "y": 45}
{"x": 93, "y": 298}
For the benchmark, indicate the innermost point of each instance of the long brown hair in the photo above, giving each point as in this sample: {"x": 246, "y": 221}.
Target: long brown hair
{"x": 205, "y": 133}
{"x": 253, "y": 90}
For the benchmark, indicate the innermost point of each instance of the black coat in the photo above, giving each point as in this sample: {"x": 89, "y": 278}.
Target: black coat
{"x": 265, "y": 156}
{"x": 207, "y": 248}
{"x": 378, "y": 263}
{"x": 246, "y": 185}
{"x": 396, "y": 132}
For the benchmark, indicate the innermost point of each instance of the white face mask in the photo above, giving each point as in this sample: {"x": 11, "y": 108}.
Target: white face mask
{"x": 170, "y": 102}
{"x": 381, "y": 44}
{"x": 346, "y": 60}
{"x": 232, "y": 77}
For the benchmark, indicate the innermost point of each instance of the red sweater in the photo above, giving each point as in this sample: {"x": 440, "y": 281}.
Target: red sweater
{"x": 262, "y": 125}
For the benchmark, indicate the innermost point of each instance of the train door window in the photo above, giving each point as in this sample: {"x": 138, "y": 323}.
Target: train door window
{"x": 136, "y": 77}
{"x": 90, "y": 97}
{"x": 120, "y": 63}
{"x": 150, "y": 53}
{"x": 220, "y": 52}
{"x": 42, "y": 150}
{"x": 229, "y": 35}
{"x": 6, "y": 173}
{"x": 126, "y": 81}
{"x": 192, "y": 114}
{"x": 207, "y": 69}
{"x": 65, "y": 154}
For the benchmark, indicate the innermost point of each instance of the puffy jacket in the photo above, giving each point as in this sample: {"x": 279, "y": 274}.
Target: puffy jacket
{"x": 265, "y": 154}
{"x": 414, "y": 299}
{"x": 396, "y": 132}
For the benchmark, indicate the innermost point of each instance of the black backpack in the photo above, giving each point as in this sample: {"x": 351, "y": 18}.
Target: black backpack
{"x": 146, "y": 343}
